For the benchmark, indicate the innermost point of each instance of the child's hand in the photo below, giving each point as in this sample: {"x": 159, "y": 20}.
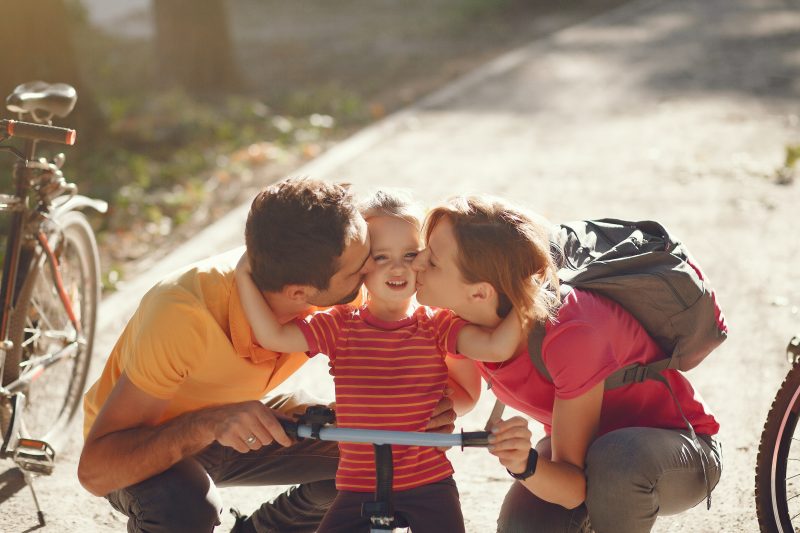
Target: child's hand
{"x": 243, "y": 266}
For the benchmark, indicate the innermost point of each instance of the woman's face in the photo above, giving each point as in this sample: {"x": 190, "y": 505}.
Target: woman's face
{"x": 439, "y": 281}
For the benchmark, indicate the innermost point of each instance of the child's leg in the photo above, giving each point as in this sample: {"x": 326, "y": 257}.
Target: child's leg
{"x": 344, "y": 516}
{"x": 432, "y": 508}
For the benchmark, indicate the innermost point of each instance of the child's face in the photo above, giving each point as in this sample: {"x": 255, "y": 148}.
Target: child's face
{"x": 394, "y": 245}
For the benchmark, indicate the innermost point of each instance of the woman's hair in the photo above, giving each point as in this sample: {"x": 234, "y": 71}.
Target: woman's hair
{"x": 393, "y": 203}
{"x": 506, "y": 247}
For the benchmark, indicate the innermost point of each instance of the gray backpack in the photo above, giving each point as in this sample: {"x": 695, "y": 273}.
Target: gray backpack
{"x": 643, "y": 268}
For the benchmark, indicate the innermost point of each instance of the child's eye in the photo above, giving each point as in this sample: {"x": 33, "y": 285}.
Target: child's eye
{"x": 411, "y": 255}
{"x": 379, "y": 257}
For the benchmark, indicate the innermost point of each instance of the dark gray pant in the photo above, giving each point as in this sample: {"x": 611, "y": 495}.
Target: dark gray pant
{"x": 633, "y": 475}
{"x": 431, "y": 508}
{"x": 185, "y": 497}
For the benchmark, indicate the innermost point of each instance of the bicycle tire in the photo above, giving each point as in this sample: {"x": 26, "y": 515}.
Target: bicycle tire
{"x": 54, "y": 396}
{"x": 773, "y": 482}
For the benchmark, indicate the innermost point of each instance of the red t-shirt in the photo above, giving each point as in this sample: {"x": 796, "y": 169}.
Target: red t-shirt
{"x": 390, "y": 376}
{"x": 591, "y": 338}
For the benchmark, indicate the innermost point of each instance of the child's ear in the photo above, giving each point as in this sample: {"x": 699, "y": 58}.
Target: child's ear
{"x": 298, "y": 293}
{"x": 481, "y": 291}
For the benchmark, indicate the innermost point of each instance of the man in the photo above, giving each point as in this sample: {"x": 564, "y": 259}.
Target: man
{"x": 177, "y": 412}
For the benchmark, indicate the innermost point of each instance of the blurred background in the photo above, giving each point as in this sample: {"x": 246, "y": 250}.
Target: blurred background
{"x": 185, "y": 108}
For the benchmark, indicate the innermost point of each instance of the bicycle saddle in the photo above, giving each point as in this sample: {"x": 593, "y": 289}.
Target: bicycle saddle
{"x": 38, "y": 97}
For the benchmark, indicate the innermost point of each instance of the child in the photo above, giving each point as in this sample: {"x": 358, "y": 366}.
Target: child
{"x": 388, "y": 362}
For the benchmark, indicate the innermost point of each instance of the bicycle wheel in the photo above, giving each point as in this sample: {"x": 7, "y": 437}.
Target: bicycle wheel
{"x": 40, "y": 325}
{"x": 778, "y": 461}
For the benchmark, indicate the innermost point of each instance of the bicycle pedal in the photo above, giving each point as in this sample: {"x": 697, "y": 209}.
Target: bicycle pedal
{"x": 35, "y": 456}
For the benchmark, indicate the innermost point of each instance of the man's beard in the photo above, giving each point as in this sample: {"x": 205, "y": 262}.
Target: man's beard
{"x": 350, "y": 297}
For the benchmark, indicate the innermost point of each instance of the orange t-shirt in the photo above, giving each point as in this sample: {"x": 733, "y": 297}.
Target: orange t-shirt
{"x": 190, "y": 342}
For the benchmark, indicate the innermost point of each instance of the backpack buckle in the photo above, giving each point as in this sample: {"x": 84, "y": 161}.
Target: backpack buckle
{"x": 636, "y": 374}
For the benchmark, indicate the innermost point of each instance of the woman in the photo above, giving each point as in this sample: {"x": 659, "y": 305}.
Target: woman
{"x": 611, "y": 460}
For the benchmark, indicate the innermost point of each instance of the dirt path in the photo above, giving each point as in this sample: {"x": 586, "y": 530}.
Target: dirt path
{"x": 672, "y": 110}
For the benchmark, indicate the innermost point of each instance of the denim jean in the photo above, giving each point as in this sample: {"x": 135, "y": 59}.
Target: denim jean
{"x": 184, "y": 498}
{"x": 633, "y": 476}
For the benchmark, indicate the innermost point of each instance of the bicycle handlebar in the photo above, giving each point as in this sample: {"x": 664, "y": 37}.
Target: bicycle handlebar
{"x": 377, "y": 436}
{"x": 38, "y": 132}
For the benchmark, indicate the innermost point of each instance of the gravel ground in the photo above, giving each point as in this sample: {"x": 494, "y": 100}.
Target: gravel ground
{"x": 673, "y": 110}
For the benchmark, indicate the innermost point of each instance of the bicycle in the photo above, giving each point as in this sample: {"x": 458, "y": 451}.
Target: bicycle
{"x": 778, "y": 461}
{"x": 317, "y": 423}
{"x": 50, "y": 287}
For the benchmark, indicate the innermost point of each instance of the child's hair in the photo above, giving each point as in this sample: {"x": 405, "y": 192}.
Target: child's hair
{"x": 393, "y": 203}
{"x": 506, "y": 247}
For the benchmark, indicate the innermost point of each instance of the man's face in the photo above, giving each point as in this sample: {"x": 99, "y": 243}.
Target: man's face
{"x": 346, "y": 282}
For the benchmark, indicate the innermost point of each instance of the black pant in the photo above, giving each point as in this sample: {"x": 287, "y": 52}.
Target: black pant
{"x": 185, "y": 498}
{"x": 432, "y": 508}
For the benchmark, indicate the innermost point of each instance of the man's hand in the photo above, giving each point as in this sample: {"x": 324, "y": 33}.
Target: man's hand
{"x": 443, "y": 417}
{"x": 247, "y": 426}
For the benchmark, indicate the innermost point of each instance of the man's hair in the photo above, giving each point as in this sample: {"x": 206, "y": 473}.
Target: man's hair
{"x": 507, "y": 248}
{"x": 393, "y": 203}
{"x": 296, "y": 231}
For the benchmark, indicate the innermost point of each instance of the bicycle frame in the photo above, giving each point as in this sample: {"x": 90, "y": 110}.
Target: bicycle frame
{"x": 22, "y": 254}
{"x": 315, "y": 424}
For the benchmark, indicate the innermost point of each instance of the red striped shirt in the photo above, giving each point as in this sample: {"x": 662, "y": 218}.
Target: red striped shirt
{"x": 388, "y": 375}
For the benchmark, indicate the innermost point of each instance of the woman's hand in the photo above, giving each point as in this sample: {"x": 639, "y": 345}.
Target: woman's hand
{"x": 510, "y": 442}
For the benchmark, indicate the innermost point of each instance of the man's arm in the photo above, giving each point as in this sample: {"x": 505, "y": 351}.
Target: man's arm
{"x": 125, "y": 446}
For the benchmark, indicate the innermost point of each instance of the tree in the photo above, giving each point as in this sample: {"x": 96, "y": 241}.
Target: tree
{"x": 193, "y": 46}
{"x": 36, "y": 44}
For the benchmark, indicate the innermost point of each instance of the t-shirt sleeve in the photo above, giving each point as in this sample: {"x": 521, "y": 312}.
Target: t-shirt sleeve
{"x": 447, "y": 326}
{"x": 167, "y": 342}
{"x": 322, "y": 330}
{"x": 578, "y": 357}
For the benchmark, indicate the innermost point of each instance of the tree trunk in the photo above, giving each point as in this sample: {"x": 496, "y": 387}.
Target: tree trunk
{"x": 36, "y": 44}
{"x": 194, "y": 47}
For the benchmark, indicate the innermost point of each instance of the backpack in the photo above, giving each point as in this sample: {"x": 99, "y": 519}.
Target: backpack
{"x": 651, "y": 275}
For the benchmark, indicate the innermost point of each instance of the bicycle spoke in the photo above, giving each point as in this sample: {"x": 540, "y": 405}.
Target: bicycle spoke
{"x": 42, "y": 314}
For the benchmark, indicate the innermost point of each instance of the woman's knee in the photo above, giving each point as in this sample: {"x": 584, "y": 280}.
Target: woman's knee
{"x": 522, "y": 512}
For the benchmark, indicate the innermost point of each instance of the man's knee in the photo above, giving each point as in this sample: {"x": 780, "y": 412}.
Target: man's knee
{"x": 181, "y": 499}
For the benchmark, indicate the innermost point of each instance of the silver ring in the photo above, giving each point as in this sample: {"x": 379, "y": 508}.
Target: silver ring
{"x": 251, "y": 439}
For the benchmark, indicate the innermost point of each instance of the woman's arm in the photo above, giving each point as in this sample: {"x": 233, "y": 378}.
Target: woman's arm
{"x": 495, "y": 345}
{"x": 269, "y": 333}
{"x": 559, "y": 479}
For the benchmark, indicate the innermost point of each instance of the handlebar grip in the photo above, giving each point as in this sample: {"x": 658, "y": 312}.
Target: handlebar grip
{"x": 290, "y": 427}
{"x": 478, "y": 439}
{"x": 39, "y": 132}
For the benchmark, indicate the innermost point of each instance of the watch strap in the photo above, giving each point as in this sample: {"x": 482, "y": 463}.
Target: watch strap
{"x": 530, "y": 466}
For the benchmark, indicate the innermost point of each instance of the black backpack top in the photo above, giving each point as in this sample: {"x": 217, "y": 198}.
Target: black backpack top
{"x": 643, "y": 268}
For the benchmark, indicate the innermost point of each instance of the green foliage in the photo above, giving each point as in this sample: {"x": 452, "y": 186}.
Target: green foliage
{"x": 792, "y": 155}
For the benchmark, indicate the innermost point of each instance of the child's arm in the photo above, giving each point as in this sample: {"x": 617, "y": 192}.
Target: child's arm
{"x": 494, "y": 345}
{"x": 269, "y": 333}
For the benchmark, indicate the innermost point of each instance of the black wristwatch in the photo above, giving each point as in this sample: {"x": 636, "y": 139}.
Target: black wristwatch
{"x": 530, "y": 467}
